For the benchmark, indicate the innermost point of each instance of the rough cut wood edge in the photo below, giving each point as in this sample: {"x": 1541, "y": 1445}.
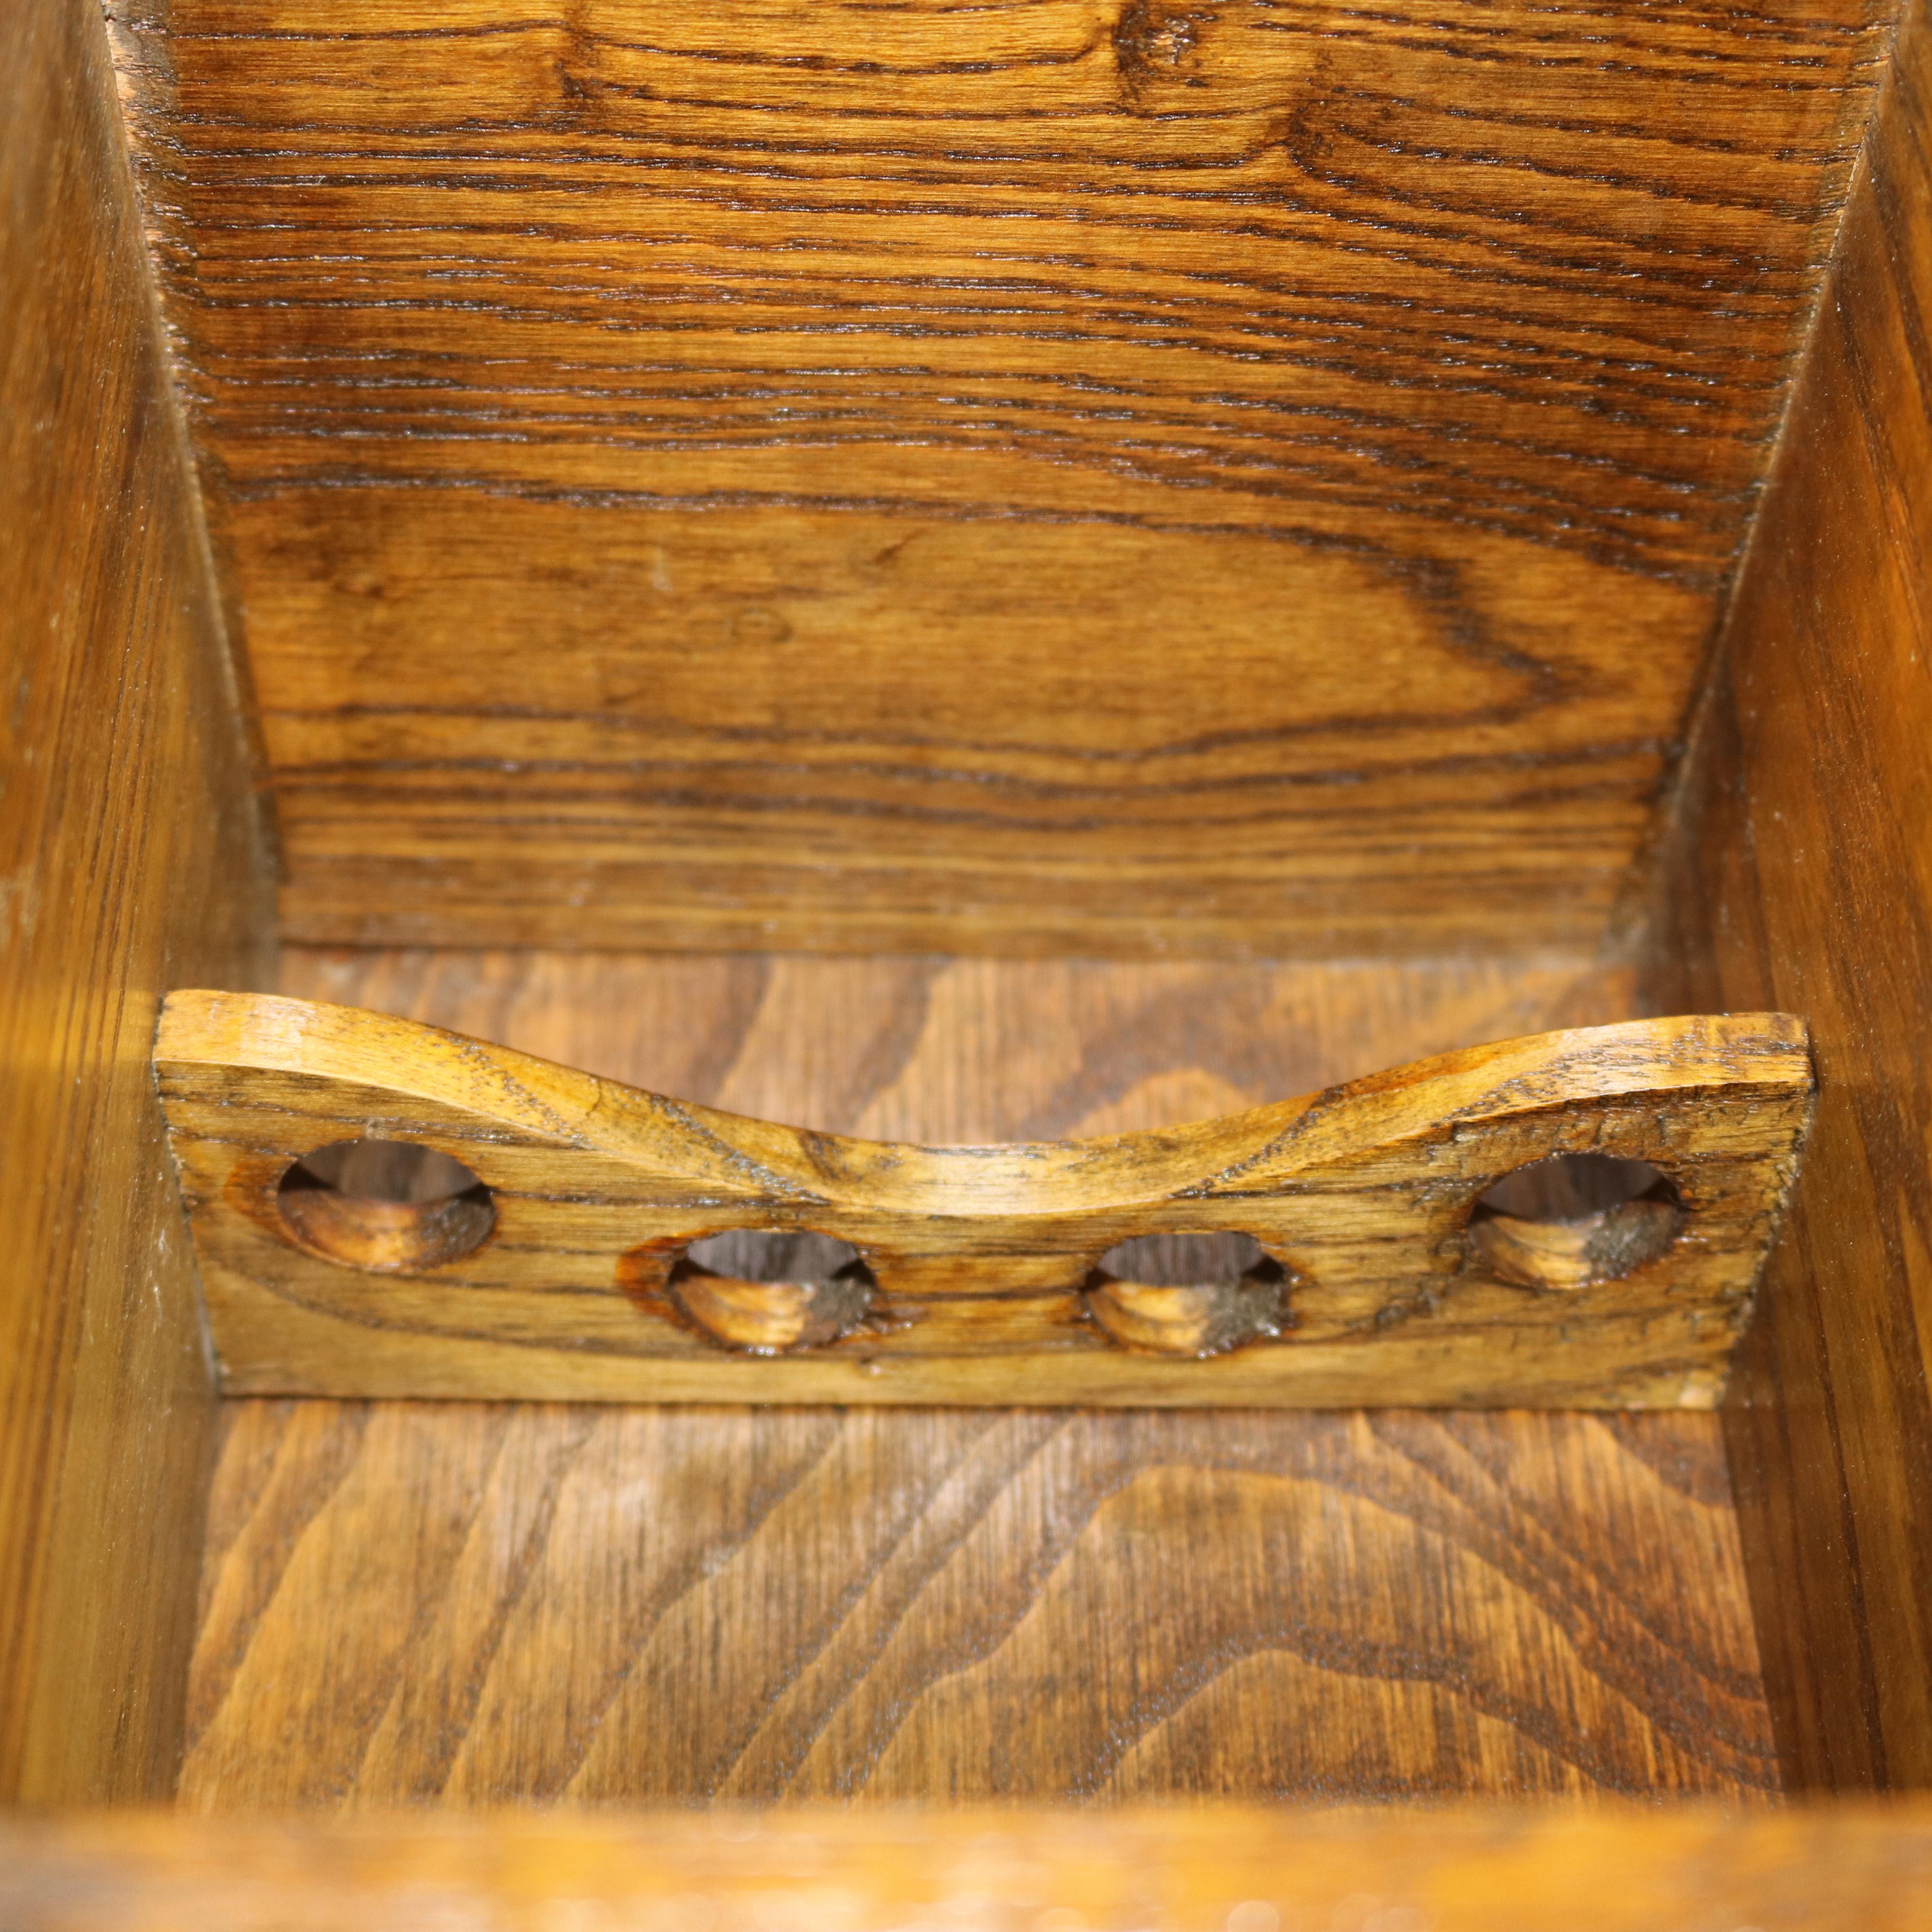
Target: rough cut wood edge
{"x": 131, "y": 859}
{"x": 1796, "y": 873}
{"x": 1497, "y": 1869}
{"x": 1361, "y": 1194}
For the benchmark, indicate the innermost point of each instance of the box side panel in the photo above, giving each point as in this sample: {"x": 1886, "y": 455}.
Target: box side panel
{"x": 129, "y": 859}
{"x": 1800, "y": 872}
{"x": 1099, "y": 476}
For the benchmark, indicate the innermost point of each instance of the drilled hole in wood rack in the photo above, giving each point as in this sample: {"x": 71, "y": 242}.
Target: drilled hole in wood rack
{"x": 768, "y": 1291}
{"x": 1195, "y": 1294}
{"x": 388, "y": 1205}
{"x": 1573, "y": 1218}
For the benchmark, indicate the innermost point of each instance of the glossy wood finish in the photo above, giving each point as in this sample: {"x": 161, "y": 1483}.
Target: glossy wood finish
{"x": 1799, "y": 875}
{"x": 1103, "y": 474}
{"x": 563, "y": 1258}
{"x": 470, "y": 1603}
{"x": 1196, "y": 1869}
{"x": 950, "y": 1051}
{"x": 127, "y": 862}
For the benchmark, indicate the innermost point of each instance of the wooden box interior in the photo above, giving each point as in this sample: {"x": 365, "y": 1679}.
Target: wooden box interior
{"x": 960, "y": 575}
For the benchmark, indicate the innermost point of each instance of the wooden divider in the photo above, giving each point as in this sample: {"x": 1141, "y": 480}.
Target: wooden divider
{"x": 569, "y": 1248}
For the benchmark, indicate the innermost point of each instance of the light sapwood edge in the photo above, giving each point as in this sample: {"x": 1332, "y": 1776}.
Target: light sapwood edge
{"x": 1460, "y": 1868}
{"x": 982, "y": 1256}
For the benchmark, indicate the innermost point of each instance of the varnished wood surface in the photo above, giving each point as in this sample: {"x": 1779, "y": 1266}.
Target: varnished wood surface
{"x": 1800, "y": 876}
{"x": 469, "y": 1604}
{"x": 1091, "y": 474}
{"x": 1196, "y": 1869}
{"x": 951, "y": 1051}
{"x": 127, "y": 862}
{"x": 562, "y": 1258}
{"x": 419, "y": 1601}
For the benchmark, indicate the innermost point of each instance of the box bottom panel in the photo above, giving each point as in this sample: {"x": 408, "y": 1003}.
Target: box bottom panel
{"x": 473, "y": 1603}
{"x": 480, "y": 1603}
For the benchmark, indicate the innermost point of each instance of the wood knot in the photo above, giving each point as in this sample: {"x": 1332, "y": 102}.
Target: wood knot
{"x": 1154, "y": 38}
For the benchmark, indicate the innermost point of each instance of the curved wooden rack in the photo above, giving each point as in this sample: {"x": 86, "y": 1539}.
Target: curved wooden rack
{"x": 554, "y": 1260}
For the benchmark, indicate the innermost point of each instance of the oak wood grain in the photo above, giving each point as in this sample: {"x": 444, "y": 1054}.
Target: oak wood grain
{"x": 129, "y": 859}
{"x": 1604, "y": 1868}
{"x": 471, "y": 1604}
{"x": 1103, "y": 474}
{"x": 1798, "y": 873}
{"x": 952, "y": 1051}
{"x": 458, "y": 1603}
{"x": 567, "y": 1256}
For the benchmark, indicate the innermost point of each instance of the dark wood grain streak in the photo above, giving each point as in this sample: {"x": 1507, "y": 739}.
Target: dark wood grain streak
{"x": 1799, "y": 871}
{"x": 1097, "y": 473}
{"x": 463, "y": 1604}
{"x": 129, "y": 858}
